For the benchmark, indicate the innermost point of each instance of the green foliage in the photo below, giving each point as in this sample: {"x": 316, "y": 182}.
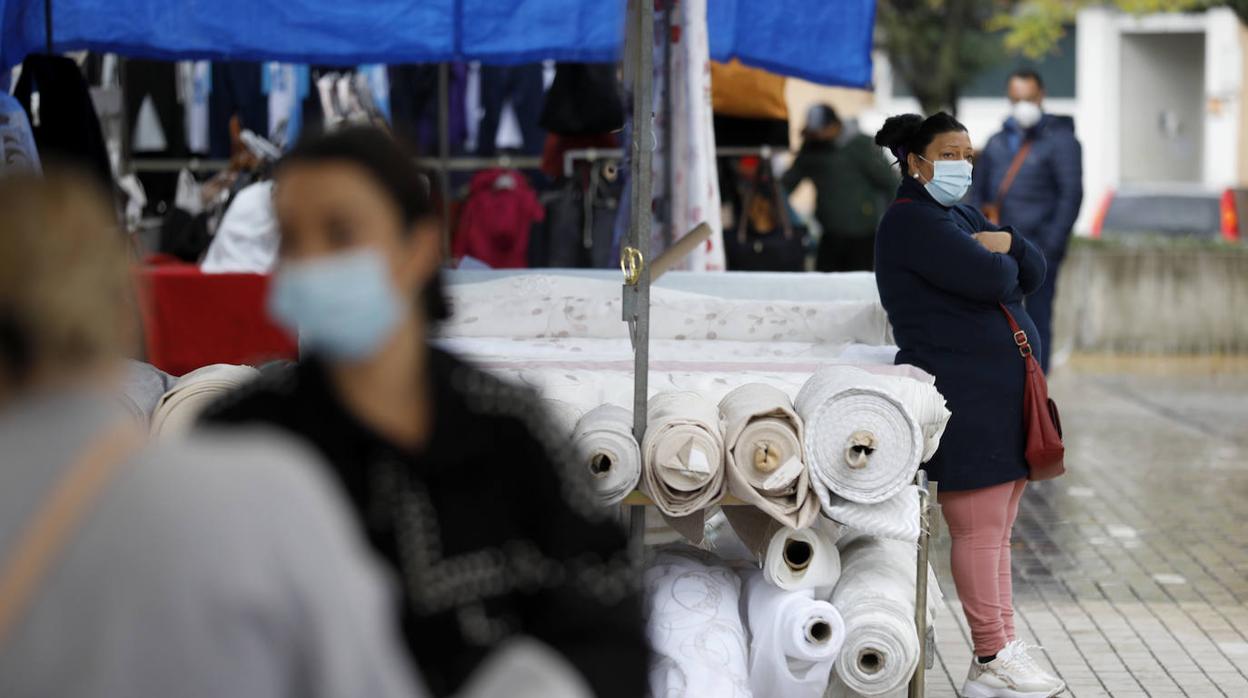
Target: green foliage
{"x": 1033, "y": 27}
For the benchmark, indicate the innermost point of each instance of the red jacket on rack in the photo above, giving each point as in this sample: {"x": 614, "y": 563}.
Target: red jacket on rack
{"x": 495, "y": 221}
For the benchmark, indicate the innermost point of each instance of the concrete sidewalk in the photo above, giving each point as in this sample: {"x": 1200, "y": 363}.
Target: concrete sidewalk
{"x": 1132, "y": 570}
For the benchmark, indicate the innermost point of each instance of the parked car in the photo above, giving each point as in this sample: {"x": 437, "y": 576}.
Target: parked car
{"x": 1172, "y": 211}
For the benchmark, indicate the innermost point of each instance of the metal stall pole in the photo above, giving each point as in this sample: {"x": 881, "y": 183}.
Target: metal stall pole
{"x": 444, "y": 147}
{"x": 918, "y": 684}
{"x": 669, "y": 224}
{"x": 633, "y": 254}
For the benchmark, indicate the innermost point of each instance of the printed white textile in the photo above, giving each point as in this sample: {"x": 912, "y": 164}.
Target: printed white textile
{"x": 683, "y": 466}
{"x": 604, "y": 439}
{"x": 896, "y": 518}
{"x": 766, "y": 468}
{"x": 876, "y": 599}
{"x": 695, "y": 628}
{"x": 193, "y": 393}
{"x": 794, "y": 640}
{"x": 536, "y": 306}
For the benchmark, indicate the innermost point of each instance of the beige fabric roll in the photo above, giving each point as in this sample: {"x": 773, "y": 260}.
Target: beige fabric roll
{"x": 604, "y": 440}
{"x": 193, "y": 393}
{"x": 764, "y": 456}
{"x": 683, "y": 469}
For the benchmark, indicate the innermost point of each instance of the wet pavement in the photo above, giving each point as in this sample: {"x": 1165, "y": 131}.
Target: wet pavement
{"x": 1132, "y": 570}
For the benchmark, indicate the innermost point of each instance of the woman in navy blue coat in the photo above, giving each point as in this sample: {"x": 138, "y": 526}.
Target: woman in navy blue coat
{"x": 943, "y": 272}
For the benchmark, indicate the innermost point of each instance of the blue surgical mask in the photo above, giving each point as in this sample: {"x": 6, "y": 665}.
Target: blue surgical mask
{"x": 951, "y": 179}
{"x": 343, "y": 306}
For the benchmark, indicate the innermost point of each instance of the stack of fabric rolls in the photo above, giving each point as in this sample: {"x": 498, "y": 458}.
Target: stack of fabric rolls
{"x": 191, "y": 394}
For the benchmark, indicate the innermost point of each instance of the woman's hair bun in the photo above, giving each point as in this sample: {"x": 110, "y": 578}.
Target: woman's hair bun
{"x": 898, "y": 130}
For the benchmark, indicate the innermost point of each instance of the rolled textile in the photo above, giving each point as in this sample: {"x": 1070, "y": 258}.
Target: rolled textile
{"x": 193, "y": 393}
{"x": 794, "y": 640}
{"x": 804, "y": 559}
{"x": 862, "y": 442}
{"x": 876, "y": 599}
{"x": 683, "y": 460}
{"x": 142, "y": 388}
{"x": 896, "y": 518}
{"x": 604, "y": 438}
{"x": 694, "y": 626}
{"x": 562, "y": 415}
{"x": 765, "y": 463}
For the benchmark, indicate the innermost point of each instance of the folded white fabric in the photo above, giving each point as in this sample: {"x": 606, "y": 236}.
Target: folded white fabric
{"x": 804, "y": 559}
{"x": 694, "y": 626}
{"x": 683, "y": 466}
{"x": 862, "y": 442}
{"x": 794, "y": 640}
{"x": 193, "y": 393}
{"x": 876, "y": 599}
{"x": 604, "y": 439}
{"x": 896, "y": 518}
{"x": 763, "y": 445}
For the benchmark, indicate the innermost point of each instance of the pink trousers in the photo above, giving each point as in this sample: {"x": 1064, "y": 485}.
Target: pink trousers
{"x": 980, "y": 522}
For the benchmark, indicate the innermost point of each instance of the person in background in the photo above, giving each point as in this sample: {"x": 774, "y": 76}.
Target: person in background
{"x": 1030, "y": 176}
{"x": 853, "y": 182}
{"x": 206, "y": 568}
{"x": 944, "y": 273}
{"x": 460, "y": 481}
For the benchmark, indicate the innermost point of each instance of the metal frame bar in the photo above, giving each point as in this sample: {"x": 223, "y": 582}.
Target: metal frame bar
{"x": 592, "y": 154}
{"x": 636, "y": 299}
{"x": 918, "y": 682}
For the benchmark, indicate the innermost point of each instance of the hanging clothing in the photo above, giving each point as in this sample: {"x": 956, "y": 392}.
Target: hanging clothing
{"x": 246, "y": 240}
{"x": 414, "y": 105}
{"x": 17, "y": 144}
{"x": 580, "y": 220}
{"x": 584, "y": 100}
{"x": 194, "y": 86}
{"x": 236, "y": 91}
{"x": 65, "y": 126}
{"x": 695, "y": 197}
{"x": 496, "y": 220}
{"x": 490, "y": 535}
{"x": 287, "y": 85}
{"x": 752, "y": 93}
{"x": 522, "y": 88}
{"x": 155, "y": 120}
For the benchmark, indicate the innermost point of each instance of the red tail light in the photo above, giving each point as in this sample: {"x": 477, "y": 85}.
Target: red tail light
{"x": 1230, "y": 217}
{"x": 1099, "y": 221}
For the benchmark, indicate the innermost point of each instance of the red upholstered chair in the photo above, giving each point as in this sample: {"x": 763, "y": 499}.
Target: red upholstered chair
{"x": 194, "y": 319}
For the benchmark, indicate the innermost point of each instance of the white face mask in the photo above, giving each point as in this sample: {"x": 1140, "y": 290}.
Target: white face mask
{"x": 1026, "y": 113}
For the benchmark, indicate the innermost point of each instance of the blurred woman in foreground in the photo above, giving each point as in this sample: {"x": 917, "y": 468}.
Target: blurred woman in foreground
{"x": 456, "y": 476}
{"x": 200, "y": 569}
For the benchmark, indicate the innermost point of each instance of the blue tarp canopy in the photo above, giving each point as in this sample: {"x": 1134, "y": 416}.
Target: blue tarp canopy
{"x": 827, "y": 42}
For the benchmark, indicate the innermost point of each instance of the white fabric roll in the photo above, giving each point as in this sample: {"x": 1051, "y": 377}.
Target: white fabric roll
{"x": 862, "y": 442}
{"x": 805, "y": 559}
{"x": 896, "y": 518}
{"x": 794, "y": 640}
{"x": 876, "y": 599}
{"x": 563, "y": 416}
{"x": 695, "y": 627}
{"x": 765, "y": 462}
{"x": 193, "y": 393}
{"x": 683, "y": 468}
{"x": 604, "y": 439}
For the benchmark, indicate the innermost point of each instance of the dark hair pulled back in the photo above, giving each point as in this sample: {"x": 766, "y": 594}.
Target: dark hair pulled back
{"x": 911, "y": 133}
{"x": 392, "y": 168}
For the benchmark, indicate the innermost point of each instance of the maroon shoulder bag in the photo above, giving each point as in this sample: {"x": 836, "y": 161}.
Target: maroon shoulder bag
{"x": 1045, "y": 452}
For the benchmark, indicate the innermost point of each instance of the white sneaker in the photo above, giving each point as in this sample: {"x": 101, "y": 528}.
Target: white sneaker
{"x": 1022, "y": 652}
{"x": 1013, "y": 674}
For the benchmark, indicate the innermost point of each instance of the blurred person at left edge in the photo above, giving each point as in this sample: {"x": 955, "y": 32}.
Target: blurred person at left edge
{"x": 456, "y": 476}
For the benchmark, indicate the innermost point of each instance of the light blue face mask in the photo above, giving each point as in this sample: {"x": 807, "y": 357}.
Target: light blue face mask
{"x": 343, "y": 306}
{"x": 951, "y": 179}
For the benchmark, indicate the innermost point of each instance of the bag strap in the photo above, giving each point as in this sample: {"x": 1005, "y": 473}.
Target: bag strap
{"x": 1020, "y": 336}
{"x": 58, "y": 516}
{"x": 1015, "y": 165}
